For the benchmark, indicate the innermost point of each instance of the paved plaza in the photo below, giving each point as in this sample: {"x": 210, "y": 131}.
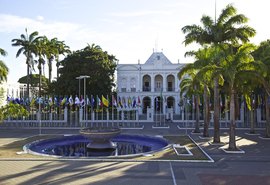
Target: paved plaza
{"x": 250, "y": 168}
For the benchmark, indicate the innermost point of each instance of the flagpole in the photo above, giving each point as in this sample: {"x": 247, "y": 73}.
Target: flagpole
{"x": 107, "y": 116}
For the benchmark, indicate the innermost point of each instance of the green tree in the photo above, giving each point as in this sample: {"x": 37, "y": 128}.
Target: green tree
{"x": 238, "y": 64}
{"x": 203, "y": 57}
{"x": 3, "y": 73}
{"x": 91, "y": 61}
{"x": 61, "y": 49}
{"x": 34, "y": 82}
{"x": 191, "y": 86}
{"x": 229, "y": 27}
{"x": 3, "y": 67}
{"x": 27, "y": 47}
{"x": 40, "y": 50}
{"x": 50, "y": 52}
{"x": 262, "y": 53}
{"x": 12, "y": 110}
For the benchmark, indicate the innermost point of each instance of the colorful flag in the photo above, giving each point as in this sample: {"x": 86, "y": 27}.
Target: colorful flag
{"x": 114, "y": 103}
{"x": 70, "y": 100}
{"x": 105, "y": 102}
{"x": 99, "y": 103}
{"x": 32, "y": 102}
{"x": 129, "y": 101}
{"x": 77, "y": 101}
{"x": 87, "y": 101}
{"x": 63, "y": 101}
{"x": 124, "y": 102}
{"x": 119, "y": 102}
{"x": 93, "y": 101}
{"x": 82, "y": 102}
{"x": 50, "y": 101}
{"x": 156, "y": 103}
{"x": 139, "y": 101}
{"x": 134, "y": 102}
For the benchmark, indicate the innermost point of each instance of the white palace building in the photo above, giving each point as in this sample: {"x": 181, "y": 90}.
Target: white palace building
{"x": 155, "y": 82}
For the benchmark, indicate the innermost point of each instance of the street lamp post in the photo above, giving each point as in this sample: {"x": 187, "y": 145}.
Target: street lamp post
{"x": 84, "y": 89}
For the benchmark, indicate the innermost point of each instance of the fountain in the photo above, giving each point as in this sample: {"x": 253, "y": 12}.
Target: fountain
{"x": 98, "y": 143}
{"x": 100, "y": 137}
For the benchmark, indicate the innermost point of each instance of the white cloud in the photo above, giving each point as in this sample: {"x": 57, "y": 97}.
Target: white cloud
{"x": 40, "y": 18}
{"x": 139, "y": 13}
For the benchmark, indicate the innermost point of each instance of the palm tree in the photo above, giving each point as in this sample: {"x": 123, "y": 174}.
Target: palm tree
{"x": 238, "y": 64}
{"x": 40, "y": 51}
{"x": 26, "y": 44}
{"x": 3, "y": 67}
{"x": 62, "y": 49}
{"x": 204, "y": 57}
{"x": 228, "y": 28}
{"x": 50, "y": 52}
{"x": 189, "y": 86}
{"x": 262, "y": 53}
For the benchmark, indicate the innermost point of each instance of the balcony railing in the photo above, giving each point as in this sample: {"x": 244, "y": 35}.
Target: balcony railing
{"x": 170, "y": 89}
{"x": 158, "y": 89}
{"x": 147, "y": 89}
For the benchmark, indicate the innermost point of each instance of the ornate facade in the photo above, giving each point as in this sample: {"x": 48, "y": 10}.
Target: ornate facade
{"x": 155, "y": 82}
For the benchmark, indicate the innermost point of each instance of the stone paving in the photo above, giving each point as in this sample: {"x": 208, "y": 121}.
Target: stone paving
{"x": 252, "y": 167}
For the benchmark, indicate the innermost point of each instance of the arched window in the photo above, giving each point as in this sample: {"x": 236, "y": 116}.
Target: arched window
{"x": 124, "y": 85}
{"x": 133, "y": 85}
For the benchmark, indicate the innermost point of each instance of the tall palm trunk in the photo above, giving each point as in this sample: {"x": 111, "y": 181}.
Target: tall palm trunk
{"x": 232, "y": 141}
{"x": 57, "y": 68}
{"x": 252, "y": 129}
{"x": 27, "y": 81}
{"x": 40, "y": 73}
{"x": 206, "y": 112}
{"x": 267, "y": 113}
{"x": 50, "y": 70}
{"x": 197, "y": 109}
{"x": 216, "y": 111}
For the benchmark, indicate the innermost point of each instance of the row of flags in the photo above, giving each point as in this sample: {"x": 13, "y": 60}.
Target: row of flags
{"x": 92, "y": 101}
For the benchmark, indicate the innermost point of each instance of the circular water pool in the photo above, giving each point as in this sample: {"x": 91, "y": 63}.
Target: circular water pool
{"x": 76, "y": 146}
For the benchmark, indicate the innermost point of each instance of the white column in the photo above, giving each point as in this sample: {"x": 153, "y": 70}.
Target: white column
{"x": 176, "y": 85}
{"x": 152, "y": 83}
{"x": 164, "y": 85}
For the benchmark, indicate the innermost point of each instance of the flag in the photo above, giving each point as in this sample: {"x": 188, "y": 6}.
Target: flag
{"x": 129, "y": 101}
{"x": 87, "y": 101}
{"x": 92, "y": 101}
{"x": 124, "y": 102}
{"x": 32, "y": 102}
{"x": 82, "y": 102}
{"x": 156, "y": 103}
{"x": 99, "y": 103}
{"x": 114, "y": 103}
{"x": 161, "y": 97}
{"x": 50, "y": 101}
{"x": 119, "y": 102}
{"x": 70, "y": 100}
{"x": 105, "y": 102}
{"x": 63, "y": 101}
{"x": 55, "y": 101}
{"x": 139, "y": 101}
{"x": 77, "y": 101}
{"x": 134, "y": 102}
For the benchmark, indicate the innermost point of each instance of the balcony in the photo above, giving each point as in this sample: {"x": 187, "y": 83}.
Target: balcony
{"x": 133, "y": 89}
{"x": 159, "y": 89}
{"x": 170, "y": 89}
{"x": 123, "y": 90}
{"x": 147, "y": 89}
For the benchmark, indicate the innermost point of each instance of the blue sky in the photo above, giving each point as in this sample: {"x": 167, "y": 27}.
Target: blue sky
{"x": 128, "y": 29}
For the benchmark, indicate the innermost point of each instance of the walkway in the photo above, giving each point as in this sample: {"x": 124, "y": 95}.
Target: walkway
{"x": 250, "y": 168}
